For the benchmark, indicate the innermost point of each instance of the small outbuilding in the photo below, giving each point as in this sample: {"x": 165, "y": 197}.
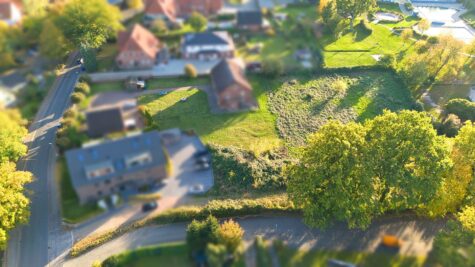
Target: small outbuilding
{"x": 250, "y": 20}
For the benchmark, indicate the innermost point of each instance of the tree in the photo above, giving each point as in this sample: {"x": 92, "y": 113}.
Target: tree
{"x": 450, "y": 125}
{"x": 89, "y": 23}
{"x": 272, "y": 67}
{"x": 200, "y": 233}
{"x": 197, "y": 21}
{"x": 423, "y": 25}
{"x": 445, "y": 58}
{"x": 77, "y": 97}
{"x": 216, "y": 255}
{"x": 406, "y": 35}
{"x": 407, "y": 158}
{"x": 6, "y": 51}
{"x": 329, "y": 182}
{"x": 52, "y": 42}
{"x": 463, "y": 108}
{"x": 190, "y": 71}
{"x": 467, "y": 218}
{"x": 159, "y": 27}
{"x": 230, "y": 235}
{"x": 327, "y": 11}
{"x": 135, "y": 4}
{"x": 352, "y": 9}
{"x": 12, "y": 132}
{"x": 15, "y": 205}
{"x": 82, "y": 87}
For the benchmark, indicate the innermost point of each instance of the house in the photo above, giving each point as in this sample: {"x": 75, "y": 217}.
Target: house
{"x": 250, "y": 20}
{"x": 172, "y": 9}
{"x": 230, "y": 86}
{"x": 116, "y": 166}
{"x": 207, "y": 45}
{"x": 10, "y": 12}
{"x": 104, "y": 121}
{"x": 138, "y": 48}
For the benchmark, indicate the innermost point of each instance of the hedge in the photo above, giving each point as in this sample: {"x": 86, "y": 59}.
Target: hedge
{"x": 218, "y": 208}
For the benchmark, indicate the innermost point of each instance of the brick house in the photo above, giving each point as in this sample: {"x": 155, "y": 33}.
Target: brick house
{"x": 207, "y": 45}
{"x": 138, "y": 48}
{"x": 231, "y": 88}
{"x": 10, "y": 12}
{"x": 172, "y": 9}
{"x": 116, "y": 166}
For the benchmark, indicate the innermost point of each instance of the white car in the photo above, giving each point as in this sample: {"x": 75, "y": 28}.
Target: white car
{"x": 196, "y": 189}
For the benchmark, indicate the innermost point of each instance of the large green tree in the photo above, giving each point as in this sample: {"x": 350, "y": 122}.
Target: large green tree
{"x": 14, "y": 205}
{"x": 200, "y": 233}
{"x": 53, "y": 43}
{"x": 353, "y": 9}
{"x": 89, "y": 23}
{"x": 12, "y": 132}
{"x": 329, "y": 182}
{"x": 197, "y": 21}
{"x": 353, "y": 172}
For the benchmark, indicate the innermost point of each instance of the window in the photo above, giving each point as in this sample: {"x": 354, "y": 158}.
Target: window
{"x": 138, "y": 159}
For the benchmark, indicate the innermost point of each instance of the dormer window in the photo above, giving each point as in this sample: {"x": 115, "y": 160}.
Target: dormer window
{"x": 99, "y": 170}
{"x": 138, "y": 159}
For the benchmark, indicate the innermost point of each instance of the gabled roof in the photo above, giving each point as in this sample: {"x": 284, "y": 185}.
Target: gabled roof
{"x": 249, "y": 18}
{"x": 138, "y": 39}
{"x": 208, "y": 38}
{"x": 113, "y": 154}
{"x": 165, "y": 7}
{"x": 104, "y": 121}
{"x": 226, "y": 73}
{"x": 7, "y": 7}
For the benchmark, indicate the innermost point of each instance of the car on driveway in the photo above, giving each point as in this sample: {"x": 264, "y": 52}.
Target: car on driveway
{"x": 196, "y": 189}
{"x": 391, "y": 241}
{"x": 149, "y": 206}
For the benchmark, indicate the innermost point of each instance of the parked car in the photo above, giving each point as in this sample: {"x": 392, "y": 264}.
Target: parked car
{"x": 149, "y": 206}
{"x": 391, "y": 241}
{"x": 196, "y": 189}
{"x": 163, "y": 93}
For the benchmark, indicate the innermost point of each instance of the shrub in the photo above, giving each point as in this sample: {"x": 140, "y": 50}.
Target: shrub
{"x": 77, "y": 97}
{"x": 159, "y": 27}
{"x": 450, "y": 126}
{"x": 190, "y": 71}
{"x": 200, "y": 233}
{"x": 272, "y": 67}
{"x": 85, "y": 79}
{"x": 197, "y": 21}
{"x": 82, "y": 87}
{"x": 463, "y": 108}
{"x": 238, "y": 170}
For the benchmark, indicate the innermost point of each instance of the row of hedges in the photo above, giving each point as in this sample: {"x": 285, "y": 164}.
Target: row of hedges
{"x": 217, "y": 208}
{"x": 463, "y": 108}
{"x": 238, "y": 170}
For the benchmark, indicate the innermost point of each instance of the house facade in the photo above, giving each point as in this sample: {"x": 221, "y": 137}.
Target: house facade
{"x": 207, "y": 46}
{"x": 250, "y": 20}
{"x": 10, "y": 12}
{"x": 116, "y": 166}
{"x": 172, "y": 9}
{"x": 231, "y": 88}
{"x": 138, "y": 48}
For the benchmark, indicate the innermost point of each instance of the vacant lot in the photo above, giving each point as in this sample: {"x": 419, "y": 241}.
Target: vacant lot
{"x": 304, "y": 104}
{"x": 253, "y": 131}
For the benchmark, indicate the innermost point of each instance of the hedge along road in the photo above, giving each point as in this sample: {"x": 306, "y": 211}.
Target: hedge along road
{"x": 416, "y": 233}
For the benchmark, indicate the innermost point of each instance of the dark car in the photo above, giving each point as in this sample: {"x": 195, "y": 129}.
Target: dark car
{"x": 201, "y": 154}
{"x": 149, "y": 206}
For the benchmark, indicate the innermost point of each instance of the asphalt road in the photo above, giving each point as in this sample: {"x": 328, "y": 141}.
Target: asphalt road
{"x": 417, "y": 235}
{"x": 39, "y": 242}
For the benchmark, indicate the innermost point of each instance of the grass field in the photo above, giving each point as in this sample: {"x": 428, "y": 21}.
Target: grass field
{"x": 171, "y": 254}
{"x": 306, "y": 104}
{"x": 249, "y": 130}
{"x": 72, "y": 212}
{"x": 290, "y": 257}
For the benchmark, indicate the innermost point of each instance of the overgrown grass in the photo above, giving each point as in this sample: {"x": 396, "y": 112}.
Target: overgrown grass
{"x": 290, "y": 257}
{"x": 253, "y": 130}
{"x": 72, "y": 211}
{"x": 304, "y": 104}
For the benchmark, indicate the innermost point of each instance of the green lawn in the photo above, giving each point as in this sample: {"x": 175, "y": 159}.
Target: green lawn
{"x": 171, "y": 254}
{"x": 249, "y": 130}
{"x": 356, "y": 48}
{"x": 72, "y": 212}
{"x": 306, "y": 104}
{"x": 290, "y": 257}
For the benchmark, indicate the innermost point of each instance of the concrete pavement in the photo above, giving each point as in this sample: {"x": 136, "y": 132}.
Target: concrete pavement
{"x": 41, "y": 241}
{"x": 417, "y": 235}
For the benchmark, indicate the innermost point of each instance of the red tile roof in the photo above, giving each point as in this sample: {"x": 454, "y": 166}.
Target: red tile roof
{"x": 6, "y": 7}
{"x": 138, "y": 39}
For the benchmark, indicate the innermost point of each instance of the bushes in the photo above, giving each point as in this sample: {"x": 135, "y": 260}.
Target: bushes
{"x": 190, "y": 71}
{"x": 77, "y": 97}
{"x": 463, "y": 108}
{"x": 272, "y": 67}
{"x": 82, "y": 87}
{"x": 217, "y": 208}
{"x": 238, "y": 170}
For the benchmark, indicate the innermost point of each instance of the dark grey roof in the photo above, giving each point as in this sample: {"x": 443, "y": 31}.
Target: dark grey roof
{"x": 104, "y": 121}
{"x": 226, "y": 73}
{"x": 114, "y": 152}
{"x": 249, "y": 18}
{"x": 206, "y": 38}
